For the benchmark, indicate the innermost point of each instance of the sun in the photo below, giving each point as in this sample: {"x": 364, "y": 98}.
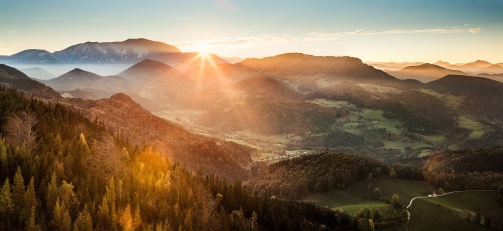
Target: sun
{"x": 202, "y": 48}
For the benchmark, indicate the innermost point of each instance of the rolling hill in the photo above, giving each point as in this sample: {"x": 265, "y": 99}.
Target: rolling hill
{"x": 148, "y": 69}
{"x": 37, "y": 73}
{"x": 158, "y": 81}
{"x": 475, "y": 67}
{"x": 13, "y": 78}
{"x": 80, "y": 79}
{"x": 424, "y": 72}
{"x": 312, "y": 72}
{"x": 481, "y": 95}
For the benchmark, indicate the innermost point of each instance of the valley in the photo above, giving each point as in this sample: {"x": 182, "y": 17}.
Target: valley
{"x": 337, "y": 141}
{"x": 232, "y": 115}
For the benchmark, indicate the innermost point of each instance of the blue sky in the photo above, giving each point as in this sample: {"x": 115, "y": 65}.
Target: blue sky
{"x": 386, "y": 30}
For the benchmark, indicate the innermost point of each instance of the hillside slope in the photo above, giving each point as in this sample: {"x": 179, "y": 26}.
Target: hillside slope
{"x": 126, "y": 117}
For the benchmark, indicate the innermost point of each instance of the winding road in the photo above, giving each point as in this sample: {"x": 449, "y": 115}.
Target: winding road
{"x": 430, "y": 196}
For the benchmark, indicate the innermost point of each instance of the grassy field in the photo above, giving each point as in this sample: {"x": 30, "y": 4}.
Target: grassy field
{"x": 424, "y": 152}
{"x": 391, "y": 126}
{"x": 377, "y": 88}
{"x": 451, "y": 100}
{"x": 370, "y": 114}
{"x": 472, "y": 201}
{"x": 434, "y": 139}
{"x": 348, "y": 202}
{"x": 356, "y": 196}
{"x": 332, "y": 104}
{"x": 427, "y": 215}
{"x": 403, "y": 144}
{"x": 478, "y": 129}
{"x": 449, "y": 212}
{"x": 354, "y": 209}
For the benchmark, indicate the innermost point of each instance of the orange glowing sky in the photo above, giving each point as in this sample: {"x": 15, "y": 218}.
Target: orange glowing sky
{"x": 387, "y": 30}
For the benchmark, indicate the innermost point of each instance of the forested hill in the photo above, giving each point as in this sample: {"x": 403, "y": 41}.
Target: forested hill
{"x": 460, "y": 169}
{"x": 210, "y": 155}
{"x": 61, "y": 171}
{"x": 14, "y": 78}
{"x": 126, "y": 117}
{"x": 298, "y": 177}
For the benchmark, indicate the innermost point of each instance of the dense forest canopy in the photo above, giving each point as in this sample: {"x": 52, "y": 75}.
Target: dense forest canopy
{"x": 77, "y": 175}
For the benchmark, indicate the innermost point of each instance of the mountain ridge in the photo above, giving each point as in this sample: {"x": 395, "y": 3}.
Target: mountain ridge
{"x": 424, "y": 72}
{"x": 119, "y": 52}
{"x": 127, "y": 51}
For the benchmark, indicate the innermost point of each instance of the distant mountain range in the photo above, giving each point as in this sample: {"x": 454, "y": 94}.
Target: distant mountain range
{"x": 478, "y": 67}
{"x": 424, "y": 72}
{"x": 37, "y": 73}
{"x": 126, "y": 52}
{"x": 393, "y": 65}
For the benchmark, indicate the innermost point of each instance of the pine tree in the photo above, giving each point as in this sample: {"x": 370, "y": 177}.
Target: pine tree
{"x": 187, "y": 222}
{"x": 18, "y": 189}
{"x": 84, "y": 221}
{"x": 61, "y": 220}
{"x": 6, "y": 205}
{"x": 18, "y": 198}
{"x": 68, "y": 197}
{"x": 104, "y": 214}
{"x": 31, "y": 223}
{"x": 4, "y": 161}
{"x": 137, "y": 217}
{"x": 126, "y": 219}
{"x": 52, "y": 193}
{"x": 30, "y": 197}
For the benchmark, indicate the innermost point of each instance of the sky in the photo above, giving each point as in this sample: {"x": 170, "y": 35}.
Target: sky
{"x": 456, "y": 31}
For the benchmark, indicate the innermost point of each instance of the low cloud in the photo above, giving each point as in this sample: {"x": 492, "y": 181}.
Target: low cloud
{"x": 49, "y": 18}
{"x": 323, "y": 36}
{"x": 475, "y": 30}
{"x": 77, "y": 19}
{"x": 250, "y": 41}
{"x": 239, "y": 41}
